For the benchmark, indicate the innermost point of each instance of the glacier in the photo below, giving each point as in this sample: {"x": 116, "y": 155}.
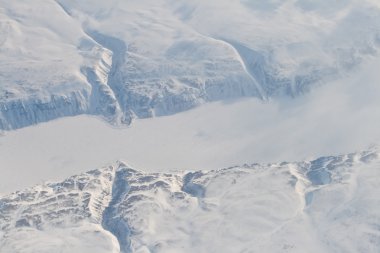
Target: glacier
{"x": 64, "y": 58}
{"x": 326, "y": 205}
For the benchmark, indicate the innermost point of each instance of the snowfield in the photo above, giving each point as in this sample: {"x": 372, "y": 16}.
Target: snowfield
{"x": 181, "y": 89}
{"x": 327, "y": 205}
{"x": 338, "y": 118}
{"x": 89, "y": 65}
{"x": 143, "y": 58}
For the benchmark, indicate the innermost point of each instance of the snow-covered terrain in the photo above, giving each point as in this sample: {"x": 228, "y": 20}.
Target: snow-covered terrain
{"x": 341, "y": 117}
{"x": 74, "y": 66}
{"x": 143, "y": 58}
{"x": 327, "y": 205}
{"x": 267, "y": 81}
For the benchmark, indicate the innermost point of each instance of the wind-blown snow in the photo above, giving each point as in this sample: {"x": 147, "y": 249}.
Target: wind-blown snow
{"x": 252, "y": 208}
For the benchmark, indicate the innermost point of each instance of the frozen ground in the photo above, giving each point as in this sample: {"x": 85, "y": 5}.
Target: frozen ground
{"x": 327, "y": 205}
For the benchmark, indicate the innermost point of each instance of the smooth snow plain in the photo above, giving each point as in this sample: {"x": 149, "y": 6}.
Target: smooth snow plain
{"x": 337, "y": 118}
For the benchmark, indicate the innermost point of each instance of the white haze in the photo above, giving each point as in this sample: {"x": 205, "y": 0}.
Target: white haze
{"x": 338, "y": 117}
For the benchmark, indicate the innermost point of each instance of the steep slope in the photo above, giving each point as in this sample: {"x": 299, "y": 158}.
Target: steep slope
{"x": 326, "y": 205}
{"x": 136, "y": 59}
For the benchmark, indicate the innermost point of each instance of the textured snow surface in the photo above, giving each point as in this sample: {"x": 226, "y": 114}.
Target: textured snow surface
{"x": 327, "y": 205}
{"x": 143, "y": 58}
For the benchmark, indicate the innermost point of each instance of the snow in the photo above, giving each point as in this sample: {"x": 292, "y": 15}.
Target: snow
{"x": 250, "y": 208}
{"x": 85, "y": 239}
{"x": 270, "y": 81}
{"x": 337, "y": 118}
{"x": 51, "y": 217}
{"x": 143, "y": 58}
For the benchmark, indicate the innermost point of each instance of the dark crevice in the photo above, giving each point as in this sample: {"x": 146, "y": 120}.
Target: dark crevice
{"x": 115, "y": 78}
{"x": 112, "y": 221}
{"x": 195, "y": 190}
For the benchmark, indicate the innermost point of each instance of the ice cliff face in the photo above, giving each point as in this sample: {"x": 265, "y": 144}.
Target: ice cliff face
{"x": 326, "y": 205}
{"x": 24, "y": 112}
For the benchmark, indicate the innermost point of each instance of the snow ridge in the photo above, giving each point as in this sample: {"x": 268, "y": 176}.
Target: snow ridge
{"x": 274, "y": 207}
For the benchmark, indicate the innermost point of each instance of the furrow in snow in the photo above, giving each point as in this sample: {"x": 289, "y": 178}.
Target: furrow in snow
{"x": 252, "y": 64}
{"x": 114, "y": 82}
{"x": 112, "y": 220}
